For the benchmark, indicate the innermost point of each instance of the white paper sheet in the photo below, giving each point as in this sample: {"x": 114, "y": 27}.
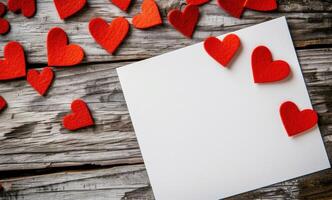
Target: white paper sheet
{"x": 207, "y": 132}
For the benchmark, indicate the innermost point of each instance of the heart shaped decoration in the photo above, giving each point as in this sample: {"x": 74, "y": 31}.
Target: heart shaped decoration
{"x": 40, "y": 81}
{"x": 266, "y": 5}
{"x": 233, "y": 7}
{"x": 149, "y": 17}
{"x": 4, "y": 26}
{"x": 109, "y": 36}
{"x": 3, "y": 103}
{"x": 59, "y": 53}
{"x": 80, "y": 118}
{"x": 67, "y": 8}
{"x": 197, "y": 2}
{"x": 266, "y": 70}
{"x": 185, "y": 22}
{"x": 27, "y": 7}
{"x": 122, "y": 4}
{"x": 222, "y": 51}
{"x": 2, "y": 9}
{"x": 13, "y": 65}
{"x": 296, "y": 121}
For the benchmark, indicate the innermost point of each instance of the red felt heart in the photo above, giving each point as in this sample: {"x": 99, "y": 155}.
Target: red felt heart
{"x": 3, "y": 103}
{"x": 67, "y": 8}
{"x": 149, "y": 17}
{"x": 13, "y": 65}
{"x": 122, "y": 4}
{"x": 109, "y": 36}
{"x": 40, "y": 81}
{"x": 59, "y": 52}
{"x": 80, "y": 118}
{"x": 2, "y": 9}
{"x": 260, "y": 5}
{"x": 27, "y": 7}
{"x": 264, "y": 69}
{"x": 185, "y": 22}
{"x": 4, "y": 26}
{"x": 222, "y": 51}
{"x": 197, "y": 2}
{"x": 296, "y": 121}
{"x": 233, "y": 7}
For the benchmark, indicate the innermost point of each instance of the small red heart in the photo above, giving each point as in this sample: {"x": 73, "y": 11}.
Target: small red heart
{"x": 80, "y": 118}
{"x": 27, "y": 7}
{"x": 40, "y": 81}
{"x": 67, "y": 8}
{"x": 222, "y": 51}
{"x": 265, "y": 69}
{"x": 4, "y": 26}
{"x": 266, "y": 5}
{"x": 233, "y": 7}
{"x": 59, "y": 53}
{"x": 296, "y": 121}
{"x": 3, "y": 103}
{"x": 109, "y": 36}
{"x": 149, "y": 17}
{"x": 2, "y": 9}
{"x": 122, "y": 4}
{"x": 13, "y": 65}
{"x": 185, "y": 22}
{"x": 197, "y": 2}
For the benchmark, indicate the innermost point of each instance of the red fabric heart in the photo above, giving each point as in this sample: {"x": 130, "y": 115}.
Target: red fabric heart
{"x": 13, "y": 65}
{"x": 80, "y": 118}
{"x": 2, "y": 9}
{"x": 233, "y": 7}
{"x": 40, "y": 81}
{"x": 67, "y": 8}
{"x": 59, "y": 52}
{"x": 149, "y": 17}
{"x": 27, "y": 7}
{"x": 222, "y": 51}
{"x": 109, "y": 36}
{"x": 4, "y": 26}
{"x": 264, "y": 69}
{"x": 266, "y": 5}
{"x": 3, "y": 103}
{"x": 296, "y": 121}
{"x": 122, "y": 4}
{"x": 185, "y": 22}
{"x": 197, "y": 2}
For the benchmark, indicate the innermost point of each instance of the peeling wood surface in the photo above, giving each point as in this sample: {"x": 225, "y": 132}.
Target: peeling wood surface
{"x": 41, "y": 160}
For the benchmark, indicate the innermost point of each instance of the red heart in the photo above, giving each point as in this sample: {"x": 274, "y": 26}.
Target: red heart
{"x": 197, "y": 2}
{"x": 296, "y": 121}
{"x": 222, "y": 51}
{"x": 2, "y": 9}
{"x": 149, "y": 17}
{"x": 3, "y": 103}
{"x": 4, "y": 26}
{"x": 67, "y": 8}
{"x": 233, "y": 7}
{"x": 13, "y": 66}
{"x": 185, "y": 21}
{"x": 122, "y": 4}
{"x": 27, "y": 7}
{"x": 260, "y": 5}
{"x": 264, "y": 69}
{"x": 80, "y": 118}
{"x": 109, "y": 36}
{"x": 59, "y": 52}
{"x": 40, "y": 81}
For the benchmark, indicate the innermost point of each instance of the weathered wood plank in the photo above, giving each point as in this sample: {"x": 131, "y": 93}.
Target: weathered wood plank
{"x": 310, "y": 24}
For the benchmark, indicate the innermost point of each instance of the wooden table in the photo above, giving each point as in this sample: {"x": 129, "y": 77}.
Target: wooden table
{"x": 39, "y": 159}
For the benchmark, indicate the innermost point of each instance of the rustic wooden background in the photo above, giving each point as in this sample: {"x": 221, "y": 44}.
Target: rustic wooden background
{"x": 41, "y": 160}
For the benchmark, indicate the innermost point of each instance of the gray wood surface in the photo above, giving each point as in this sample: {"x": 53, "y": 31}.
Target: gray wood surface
{"x": 41, "y": 160}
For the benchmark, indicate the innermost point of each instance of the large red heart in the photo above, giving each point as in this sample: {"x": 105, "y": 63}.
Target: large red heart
{"x": 149, "y": 17}
{"x": 59, "y": 53}
{"x": 122, "y": 4}
{"x": 13, "y": 65}
{"x": 260, "y": 5}
{"x": 265, "y": 69}
{"x": 185, "y": 22}
{"x": 233, "y": 7}
{"x": 27, "y": 7}
{"x": 222, "y": 51}
{"x": 4, "y": 26}
{"x": 109, "y": 36}
{"x": 40, "y": 81}
{"x": 67, "y": 8}
{"x": 2, "y": 9}
{"x": 80, "y": 118}
{"x": 296, "y": 121}
{"x": 197, "y": 2}
{"x": 3, "y": 103}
